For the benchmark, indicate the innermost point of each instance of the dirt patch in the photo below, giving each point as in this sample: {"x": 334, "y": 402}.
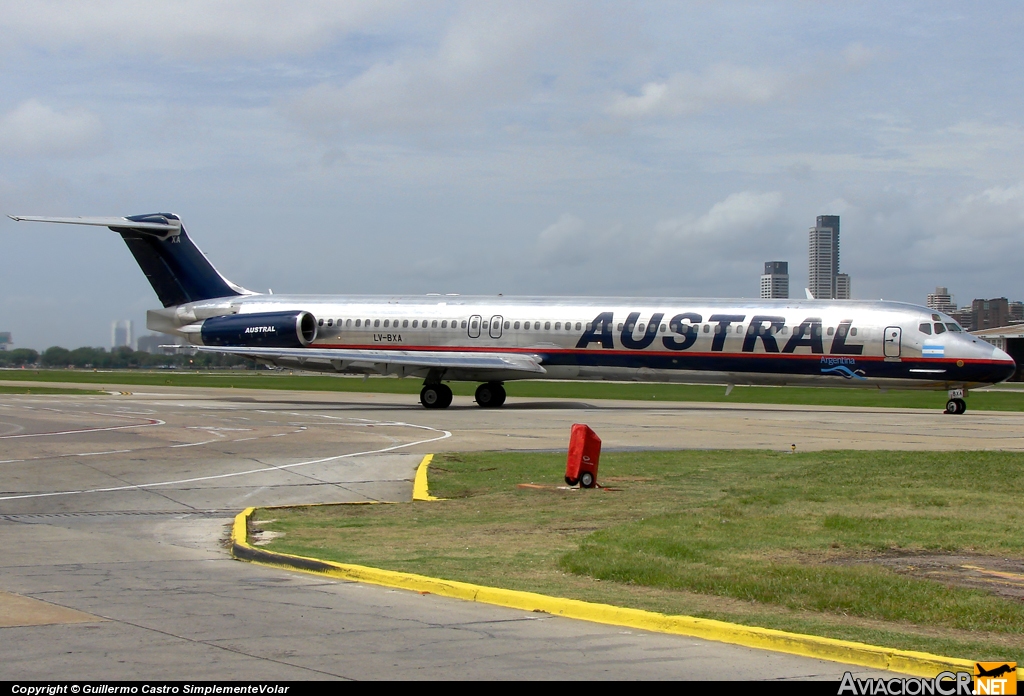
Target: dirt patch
{"x": 1001, "y": 576}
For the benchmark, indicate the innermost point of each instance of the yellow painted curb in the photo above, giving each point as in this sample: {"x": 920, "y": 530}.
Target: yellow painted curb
{"x": 904, "y": 661}
{"x": 419, "y": 486}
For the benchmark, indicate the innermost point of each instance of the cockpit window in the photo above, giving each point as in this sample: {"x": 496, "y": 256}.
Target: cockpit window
{"x": 939, "y": 328}
{"x": 936, "y": 317}
{"x": 925, "y": 329}
{"x": 953, "y": 326}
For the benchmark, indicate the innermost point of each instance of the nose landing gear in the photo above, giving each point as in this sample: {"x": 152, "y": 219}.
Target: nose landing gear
{"x": 956, "y": 404}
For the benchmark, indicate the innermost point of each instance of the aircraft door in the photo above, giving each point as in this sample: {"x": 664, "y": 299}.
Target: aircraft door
{"x": 891, "y": 344}
{"x": 474, "y": 326}
{"x": 495, "y": 329}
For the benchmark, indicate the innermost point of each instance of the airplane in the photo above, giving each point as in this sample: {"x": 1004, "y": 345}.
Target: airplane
{"x": 493, "y": 340}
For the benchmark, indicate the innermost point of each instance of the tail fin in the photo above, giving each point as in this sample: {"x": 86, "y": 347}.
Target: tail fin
{"x": 178, "y": 271}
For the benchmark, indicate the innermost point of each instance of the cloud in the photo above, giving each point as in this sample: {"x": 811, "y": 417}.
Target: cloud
{"x": 32, "y": 128}
{"x": 488, "y": 57}
{"x": 727, "y": 221}
{"x": 191, "y": 29}
{"x": 688, "y": 93}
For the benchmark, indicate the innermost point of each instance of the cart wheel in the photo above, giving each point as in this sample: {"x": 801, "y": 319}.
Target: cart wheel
{"x": 571, "y": 481}
{"x": 586, "y": 480}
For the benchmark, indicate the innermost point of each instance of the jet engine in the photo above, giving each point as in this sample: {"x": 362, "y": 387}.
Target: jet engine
{"x": 260, "y": 330}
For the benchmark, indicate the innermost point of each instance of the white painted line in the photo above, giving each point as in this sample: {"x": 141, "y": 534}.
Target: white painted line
{"x": 194, "y": 444}
{"x": 142, "y": 486}
{"x": 152, "y": 421}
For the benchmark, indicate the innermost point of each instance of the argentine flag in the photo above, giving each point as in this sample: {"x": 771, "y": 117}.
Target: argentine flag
{"x": 933, "y": 351}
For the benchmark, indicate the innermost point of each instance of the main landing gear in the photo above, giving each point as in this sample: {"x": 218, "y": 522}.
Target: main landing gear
{"x": 489, "y": 395}
{"x": 436, "y": 396}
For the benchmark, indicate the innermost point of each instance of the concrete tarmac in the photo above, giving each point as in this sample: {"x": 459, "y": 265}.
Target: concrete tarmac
{"x": 114, "y": 511}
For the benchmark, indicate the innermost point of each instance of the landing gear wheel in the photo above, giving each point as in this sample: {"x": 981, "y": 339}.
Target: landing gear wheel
{"x": 436, "y": 396}
{"x": 956, "y": 406}
{"x": 586, "y": 480}
{"x": 490, "y": 395}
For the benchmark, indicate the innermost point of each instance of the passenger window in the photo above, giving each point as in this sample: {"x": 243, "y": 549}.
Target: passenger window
{"x": 508, "y": 324}
{"x": 444, "y": 323}
{"x": 405, "y": 323}
{"x": 939, "y": 328}
{"x": 578, "y": 326}
{"x": 816, "y": 331}
{"x": 484, "y": 325}
{"x": 376, "y": 322}
{"x": 330, "y": 322}
{"x": 516, "y": 325}
{"x": 590, "y": 326}
{"x": 925, "y": 329}
{"x": 536, "y": 325}
{"x": 463, "y": 323}
{"x": 547, "y": 326}
{"x": 662, "y": 328}
{"x": 707, "y": 328}
{"x": 320, "y": 323}
{"x": 831, "y": 331}
{"x": 558, "y": 326}
{"x": 568, "y": 326}
{"x": 348, "y": 322}
{"x": 386, "y": 323}
{"x": 358, "y": 322}
{"x": 641, "y": 327}
{"x": 853, "y": 332}
{"x": 620, "y": 326}
{"x": 474, "y": 324}
{"x": 739, "y": 329}
{"x": 433, "y": 324}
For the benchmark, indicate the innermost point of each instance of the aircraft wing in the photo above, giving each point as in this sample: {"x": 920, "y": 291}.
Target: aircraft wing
{"x": 409, "y": 358}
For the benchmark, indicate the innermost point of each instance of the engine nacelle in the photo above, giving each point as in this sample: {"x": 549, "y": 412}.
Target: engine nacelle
{"x": 261, "y": 330}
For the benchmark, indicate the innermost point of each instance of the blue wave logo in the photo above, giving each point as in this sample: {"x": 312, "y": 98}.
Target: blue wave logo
{"x": 843, "y": 371}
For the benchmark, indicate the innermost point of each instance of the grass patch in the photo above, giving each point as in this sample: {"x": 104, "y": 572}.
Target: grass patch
{"x": 993, "y": 400}
{"x": 778, "y": 540}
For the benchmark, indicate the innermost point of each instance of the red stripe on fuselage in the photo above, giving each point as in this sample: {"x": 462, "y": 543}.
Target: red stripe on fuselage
{"x": 672, "y": 353}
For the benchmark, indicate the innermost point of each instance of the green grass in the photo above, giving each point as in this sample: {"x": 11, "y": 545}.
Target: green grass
{"x": 778, "y": 540}
{"x": 995, "y": 400}
{"x": 46, "y": 390}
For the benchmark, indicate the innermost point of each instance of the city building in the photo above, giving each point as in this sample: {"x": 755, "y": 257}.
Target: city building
{"x": 775, "y": 281}
{"x": 842, "y": 286}
{"x": 990, "y": 314}
{"x": 1016, "y": 312}
{"x": 823, "y": 275}
{"x": 150, "y": 343}
{"x": 121, "y": 334}
{"x": 941, "y": 301}
{"x": 5, "y": 340}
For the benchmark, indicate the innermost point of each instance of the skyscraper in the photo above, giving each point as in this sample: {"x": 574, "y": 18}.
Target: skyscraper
{"x": 824, "y": 279}
{"x": 941, "y": 301}
{"x": 121, "y": 334}
{"x": 775, "y": 281}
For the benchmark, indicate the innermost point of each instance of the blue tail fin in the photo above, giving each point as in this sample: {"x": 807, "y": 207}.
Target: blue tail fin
{"x": 175, "y": 267}
{"x": 178, "y": 271}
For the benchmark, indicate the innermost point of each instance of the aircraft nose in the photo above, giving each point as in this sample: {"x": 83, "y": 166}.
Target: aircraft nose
{"x": 1007, "y": 367}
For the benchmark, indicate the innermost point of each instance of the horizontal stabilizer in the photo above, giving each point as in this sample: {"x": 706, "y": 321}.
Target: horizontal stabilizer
{"x": 118, "y": 222}
{"x": 408, "y": 358}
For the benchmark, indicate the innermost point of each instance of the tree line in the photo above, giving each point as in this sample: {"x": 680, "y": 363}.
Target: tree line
{"x": 101, "y": 358}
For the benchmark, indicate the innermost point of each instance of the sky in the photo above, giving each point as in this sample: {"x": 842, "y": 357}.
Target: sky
{"x": 555, "y": 148}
